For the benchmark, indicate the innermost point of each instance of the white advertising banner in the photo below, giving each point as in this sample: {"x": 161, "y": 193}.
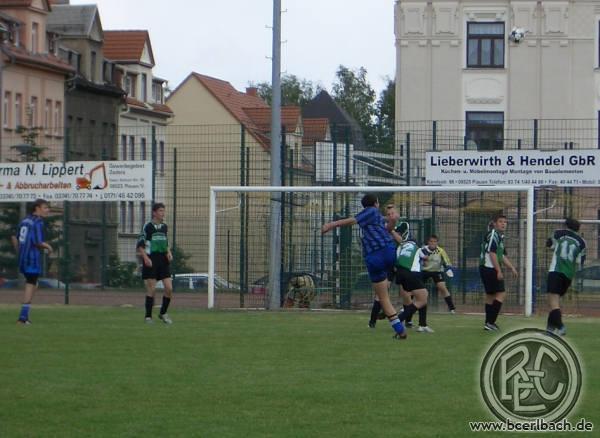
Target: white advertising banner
{"x": 76, "y": 181}
{"x": 530, "y": 167}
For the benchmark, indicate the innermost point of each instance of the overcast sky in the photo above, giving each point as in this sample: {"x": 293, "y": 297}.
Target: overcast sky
{"x": 228, "y": 39}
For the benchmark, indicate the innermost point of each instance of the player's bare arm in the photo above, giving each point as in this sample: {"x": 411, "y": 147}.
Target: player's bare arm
{"x": 510, "y": 266}
{"x": 339, "y": 223}
{"x": 497, "y": 267}
{"x": 142, "y": 253}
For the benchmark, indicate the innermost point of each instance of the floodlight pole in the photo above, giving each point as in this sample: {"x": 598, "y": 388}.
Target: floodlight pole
{"x": 275, "y": 228}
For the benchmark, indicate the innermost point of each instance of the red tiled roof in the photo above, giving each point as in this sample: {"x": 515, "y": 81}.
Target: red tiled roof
{"x": 314, "y": 130}
{"x": 44, "y": 61}
{"x": 154, "y": 107}
{"x": 126, "y": 45}
{"x": 234, "y": 101}
{"x": 22, "y": 3}
{"x": 290, "y": 117}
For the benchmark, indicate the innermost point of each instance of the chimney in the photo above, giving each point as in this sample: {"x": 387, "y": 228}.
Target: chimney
{"x": 252, "y": 91}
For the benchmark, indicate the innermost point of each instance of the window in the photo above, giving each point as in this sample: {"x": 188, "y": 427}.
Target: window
{"x": 484, "y": 131}
{"x": 58, "y": 121}
{"x": 6, "y": 109}
{"x": 92, "y": 135}
{"x": 124, "y": 147}
{"x": 131, "y": 217}
{"x": 161, "y": 157}
{"x": 93, "y": 66}
{"x": 143, "y": 148}
{"x": 485, "y": 45}
{"x": 18, "y": 110}
{"x": 123, "y": 216}
{"x": 48, "y": 117}
{"x": 33, "y": 110}
{"x": 130, "y": 84}
{"x": 131, "y": 147}
{"x": 34, "y": 37}
{"x": 144, "y": 87}
{"x": 157, "y": 92}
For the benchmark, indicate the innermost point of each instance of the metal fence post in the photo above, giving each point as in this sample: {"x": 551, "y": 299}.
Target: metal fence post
{"x": 242, "y": 216}
{"x": 174, "y": 210}
{"x": 433, "y": 197}
{"x": 103, "y": 257}
{"x": 66, "y": 218}
{"x": 408, "y": 158}
{"x": 153, "y": 164}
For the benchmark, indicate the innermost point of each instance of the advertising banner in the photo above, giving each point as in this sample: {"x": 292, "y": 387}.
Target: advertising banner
{"x": 530, "y": 167}
{"x": 76, "y": 181}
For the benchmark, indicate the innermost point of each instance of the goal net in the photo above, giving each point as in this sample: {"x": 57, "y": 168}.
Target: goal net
{"x": 327, "y": 271}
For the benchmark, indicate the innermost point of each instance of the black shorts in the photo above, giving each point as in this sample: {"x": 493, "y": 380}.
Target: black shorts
{"x": 557, "y": 283}
{"x": 490, "y": 281}
{"x": 409, "y": 280}
{"x": 435, "y": 276}
{"x": 160, "y": 267}
{"x": 31, "y": 279}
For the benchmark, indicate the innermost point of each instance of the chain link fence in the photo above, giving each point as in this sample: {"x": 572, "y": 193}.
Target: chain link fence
{"x": 96, "y": 257}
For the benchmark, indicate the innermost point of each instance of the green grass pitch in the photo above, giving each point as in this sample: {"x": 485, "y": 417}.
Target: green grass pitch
{"x": 93, "y": 371}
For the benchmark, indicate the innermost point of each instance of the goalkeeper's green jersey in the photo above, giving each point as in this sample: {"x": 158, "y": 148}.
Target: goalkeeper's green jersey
{"x": 154, "y": 238}
{"x": 569, "y": 250}
{"x": 408, "y": 256}
{"x": 492, "y": 243}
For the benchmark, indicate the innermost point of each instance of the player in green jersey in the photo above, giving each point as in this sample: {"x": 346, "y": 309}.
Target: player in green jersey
{"x": 491, "y": 261}
{"x": 153, "y": 248}
{"x": 568, "y": 252}
{"x": 408, "y": 275}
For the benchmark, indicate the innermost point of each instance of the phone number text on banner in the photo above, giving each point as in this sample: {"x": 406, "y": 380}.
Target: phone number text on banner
{"x": 76, "y": 181}
{"x": 530, "y": 167}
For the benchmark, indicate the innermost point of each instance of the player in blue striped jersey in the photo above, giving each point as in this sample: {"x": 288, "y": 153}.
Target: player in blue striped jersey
{"x": 379, "y": 252}
{"x": 29, "y": 244}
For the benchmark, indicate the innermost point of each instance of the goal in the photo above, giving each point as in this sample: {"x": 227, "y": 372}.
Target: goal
{"x": 239, "y": 236}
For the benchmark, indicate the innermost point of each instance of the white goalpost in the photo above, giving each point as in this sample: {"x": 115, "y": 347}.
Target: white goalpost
{"x": 529, "y": 219}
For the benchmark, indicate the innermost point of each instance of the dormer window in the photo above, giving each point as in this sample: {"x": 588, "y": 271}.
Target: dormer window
{"x": 34, "y": 37}
{"x": 157, "y": 92}
{"x": 130, "y": 84}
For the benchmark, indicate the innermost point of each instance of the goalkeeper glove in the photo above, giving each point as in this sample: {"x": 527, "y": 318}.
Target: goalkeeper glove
{"x": 449, "y": 272}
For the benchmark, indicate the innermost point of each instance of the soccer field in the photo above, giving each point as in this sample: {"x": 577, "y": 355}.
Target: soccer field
{"x": 87, "y": 371}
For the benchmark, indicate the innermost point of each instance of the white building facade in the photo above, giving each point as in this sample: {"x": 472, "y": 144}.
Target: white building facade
{"x": 456, "y": 60}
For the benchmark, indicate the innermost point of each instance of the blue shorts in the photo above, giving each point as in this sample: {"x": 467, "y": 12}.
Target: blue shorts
{"x": 380, "y": 263}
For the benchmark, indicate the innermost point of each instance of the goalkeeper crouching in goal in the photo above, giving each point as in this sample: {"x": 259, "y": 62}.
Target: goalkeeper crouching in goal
{"x": 433, "y": 267}
{"x": 379, "y": 252}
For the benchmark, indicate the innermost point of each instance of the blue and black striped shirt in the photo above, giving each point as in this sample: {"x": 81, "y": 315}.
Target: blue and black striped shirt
{"x": 30, "y": 235}
{"x": 374, "y": 235}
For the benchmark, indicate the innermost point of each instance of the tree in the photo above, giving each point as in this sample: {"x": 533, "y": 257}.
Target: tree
{"x": 353, "y": 93}
{"x": 294, "y": 91}
{"x": 179, "y": 264}
{"x": 10, "y": 213}
{"x": 386, "y": 116}
{"x": 9, "y": 218}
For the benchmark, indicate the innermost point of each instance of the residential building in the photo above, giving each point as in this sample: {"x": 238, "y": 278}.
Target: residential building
{"x": 231, "y": 146}
{"x": 142, "y": 124}
{"x": 32, "y": 79}
{"x": 456, "y": 60}
{"x": 92, "y": 105}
